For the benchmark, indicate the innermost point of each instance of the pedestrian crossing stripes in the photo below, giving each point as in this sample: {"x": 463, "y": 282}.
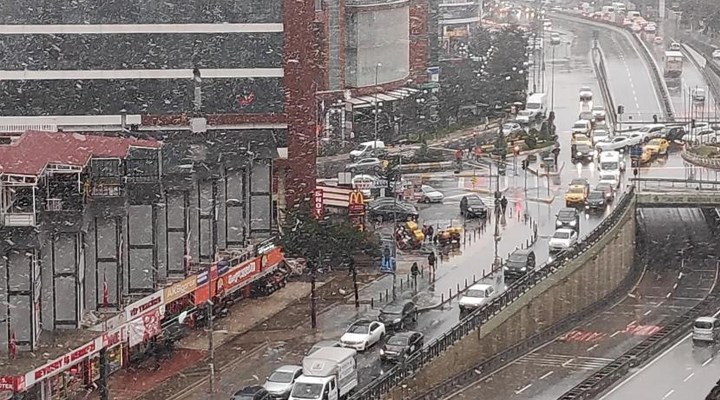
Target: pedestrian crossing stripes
{"x": 641, "y": 330}
{"x": 578, "y": 335}
{"x": 564, "y": 361}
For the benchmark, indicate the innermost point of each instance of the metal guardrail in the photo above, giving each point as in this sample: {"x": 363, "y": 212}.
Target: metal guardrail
{"x": 647, "y": 349}
{"x": 674, "y": 183}
{"x": 601, "y": 72}
{"x": 479, "y": 317}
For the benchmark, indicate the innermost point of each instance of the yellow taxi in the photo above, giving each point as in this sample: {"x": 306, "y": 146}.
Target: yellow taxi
{"x": 576, "y": 195}
{"x": 646, "y": 156}
{"x": 579, "y": 138}
{"x": 657, "y": 146}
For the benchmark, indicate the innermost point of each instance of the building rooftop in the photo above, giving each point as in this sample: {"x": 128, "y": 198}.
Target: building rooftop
{"x": 34, "y": 150}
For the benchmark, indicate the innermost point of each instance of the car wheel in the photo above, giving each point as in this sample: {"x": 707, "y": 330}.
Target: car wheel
{"x": 352, "y": 171}
{"x": 426, "y": 200}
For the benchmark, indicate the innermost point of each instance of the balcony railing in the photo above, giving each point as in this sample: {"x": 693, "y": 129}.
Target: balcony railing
{"x": 18, "y": 219}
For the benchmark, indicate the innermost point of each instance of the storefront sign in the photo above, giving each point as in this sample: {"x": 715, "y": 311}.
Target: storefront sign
{"x": 318, "y": 207}
{"x": 112, "y": 338}
{"x": 356, "y": 203}
{"x": 180, "y": 289}
{"x": 139, "y": 307}
{"x": 145, "y": 328}
{"x": 12, "y": 383}
{"x": 63, "y": 362}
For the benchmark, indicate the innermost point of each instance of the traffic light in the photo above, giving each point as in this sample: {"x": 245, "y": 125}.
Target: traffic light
{"x": 621, "y": 110}
{"x": 516, "y": 150}
{"x": 525, "y": 164}
{"x": 692, "y": 123}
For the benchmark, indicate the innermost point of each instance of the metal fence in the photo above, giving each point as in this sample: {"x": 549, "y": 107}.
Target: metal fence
{"x": 479, "y": 317}
{"x": 673, "y": 184}
{"x": 601, "y": 73}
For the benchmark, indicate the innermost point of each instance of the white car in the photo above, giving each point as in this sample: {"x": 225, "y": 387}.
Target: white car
{"x": 562, "y": 239}
{"x": 599, "y": 135}
{"x": 363, "y": 334}
{"x": 610, "y": 178}
{"x": 636, "y": 137}
{"x": 555, "y": 39}
{"x": 586, "y": 94}
{"x": 510, "y": 128}
{"x": 651, "y": 131}
{"x": 582, "y": 127}
{"x": 636, "y": 28}
{"x": 598, "y": 112}
{"x": 526, "y": 116}
{"x": 699, "y": 95}
{"x": 716, "y": 54}
{"x": 476, "y": 297}
{"x": 612, "y": 143}
{"x": 428, "y": 194}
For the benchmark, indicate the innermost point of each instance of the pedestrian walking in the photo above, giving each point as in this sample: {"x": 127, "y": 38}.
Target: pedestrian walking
{"x": 503, "y": 204}
{"x": 430, "y": 232}
{"x": 470, "y": 152}
{"x": 431, "y": 260}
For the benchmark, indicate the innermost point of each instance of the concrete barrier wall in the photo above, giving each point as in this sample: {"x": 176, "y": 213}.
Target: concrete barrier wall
{"x": 583, "y": 281}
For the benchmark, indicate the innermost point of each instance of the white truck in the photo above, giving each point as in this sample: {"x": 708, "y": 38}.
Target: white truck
{"x": 330, "y": 373}
{"x": 537, "y": 104}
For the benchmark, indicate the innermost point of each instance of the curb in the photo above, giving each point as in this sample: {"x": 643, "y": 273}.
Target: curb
{"x": 704, "y": 162}
{"x": 548, "y": 200}
{"x": 488, "y": 191}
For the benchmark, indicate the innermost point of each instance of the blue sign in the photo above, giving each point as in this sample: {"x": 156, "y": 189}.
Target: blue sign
{"x": 636, "y": 151}
{"x": 223, "y": 266}
{"x": 388, "y": 265}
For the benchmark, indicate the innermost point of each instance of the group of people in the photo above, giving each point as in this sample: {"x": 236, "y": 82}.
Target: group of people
{"x": 429, "y": 233}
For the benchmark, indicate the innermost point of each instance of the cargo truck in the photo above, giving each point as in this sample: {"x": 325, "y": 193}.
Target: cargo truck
{"x": 329, "y": 373}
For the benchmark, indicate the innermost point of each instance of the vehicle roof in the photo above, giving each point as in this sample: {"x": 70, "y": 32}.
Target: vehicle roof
{"x": 250, "y": 389}
{"x": 568, "y": 210}
{"x": 596, "y": 192}
{"x": 606, "y": 185}
{"x": 288, "y": 368}
{"x": 333, "y": 353}
{"x": 653, "y": 126}
{"x": 398, "y": 302}
{"x": 705, "y": 319}
{"x": 582, "y": 121}
{"x": 578, "y": 181}
{"x": 564, "y": 230}
{"x": 405, "y": 334}
{"x": 480, "y": 286}
{"x": 521, "y": 252}
{"x": 327, "y": 343}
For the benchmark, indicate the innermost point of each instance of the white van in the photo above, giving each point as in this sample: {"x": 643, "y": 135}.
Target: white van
{"x": 706, "y": 329}
{"x": 537, "y": 104}
{"x": 633, "y": 15}
{"x": 366, "y": 149}
{"x": 611, "y": 162}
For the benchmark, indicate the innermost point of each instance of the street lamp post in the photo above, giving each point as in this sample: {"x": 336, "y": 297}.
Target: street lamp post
{"x": 398, "y": 182}
{"x": 552, "y": 80}
{"x": 211, "y": 346}
{"x": 377, "y": 68}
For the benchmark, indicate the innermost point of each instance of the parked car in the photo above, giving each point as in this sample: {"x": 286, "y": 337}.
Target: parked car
{"x": 519, "y": 263}
{"x": 476, "y": 297}
{"x": 365, "y": 165}
{"x": 706, "y": 330}
{"x": 568, "y": 218}
{"x": 280, "y": 382}
{"x": 251, "y": 393}
{"x": 674, "y": 133}
{"x": 367, "y": 149}
{"x": 586, "y": 93}
{"x": 472, "y": 206}
{"x": 397, "y": 313}
{"x": 511, "y": 128}
{"x": 402, "y": 345}
{"x": 321, "y": 345}
{"x": 651, "y": 131}
{"x": 596, "y": 201}
{"x": 608, "y": 190}
{"x": 617, "y": 142}
{"x": 394, "y": 210}
{"x": 430, "y": 194}
{"x": 562, "y": 239}
{"x": 362, "y": 334}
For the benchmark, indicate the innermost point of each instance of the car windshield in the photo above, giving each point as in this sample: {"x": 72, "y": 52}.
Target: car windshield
{"x": 532, "y": 106}
{"x": 398, "y": 341}
{"x": 580, "y": 125}
{"x": 596, "y": 195}
{"x": 609, "y": 165}
{"x": 475, "y": 293}
{"x": 428, "y": 189}
{"x": 517, "y": 258}
{"x": 361, "y": 147}
{"x": 576, "y": 189}
{"x": 392, "y": 309}
{"x": 600, "y": 132}
{"x": 566, "y": 215}
{"x": 607, "y": 177}
{"x": 583, "y": 148}
{"x": 474, "y": 201}
{"x": 703, "y": 324}
{"x": 243, "y": 397}
{"x": 561, "y": 235}
{"x": 578, "y": 182}
{"x": 361, "y": 328}
{"x": 655, "y": 142}
{"x": 281, "y": 377}
{"x": 306, "y": 390}
{"x": 525, "y": 112}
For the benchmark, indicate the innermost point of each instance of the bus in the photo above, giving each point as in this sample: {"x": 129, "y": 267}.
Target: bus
{"x": 673, "y": 64}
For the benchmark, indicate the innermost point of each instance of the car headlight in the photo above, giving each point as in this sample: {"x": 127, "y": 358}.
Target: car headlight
{"x": 523, "y": 269}
{"x": 506, "y": 268}
{"x": 396, "y": 321}
{"x": 573, "y": 223}
{"x": 382, "y": 352}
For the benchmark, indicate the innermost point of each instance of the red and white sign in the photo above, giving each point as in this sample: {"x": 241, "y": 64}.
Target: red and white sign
{"x": 143, "y": 305}
{"x": 60, "y": 364}
{"x": 145, "y": 328}
{"x": 318, "y": 205}
{"x": 112, "y": 338}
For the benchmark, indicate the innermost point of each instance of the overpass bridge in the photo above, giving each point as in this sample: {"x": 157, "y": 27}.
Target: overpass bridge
{"x": 675, "y": 192}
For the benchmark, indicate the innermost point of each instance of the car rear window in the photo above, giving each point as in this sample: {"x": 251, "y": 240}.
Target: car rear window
{"x": 703, "y": 325}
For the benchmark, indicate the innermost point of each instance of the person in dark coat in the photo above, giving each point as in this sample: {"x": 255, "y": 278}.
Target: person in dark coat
{"x": 430, "y": 232}
{"x": 503, "y": 204}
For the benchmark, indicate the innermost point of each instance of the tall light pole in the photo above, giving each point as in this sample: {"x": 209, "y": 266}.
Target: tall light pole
{"x": 377, "y": 69}
{"x": 552, "y": 80}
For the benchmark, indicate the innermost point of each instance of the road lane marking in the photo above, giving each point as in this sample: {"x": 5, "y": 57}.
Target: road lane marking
{"x": 668, "y": 393}
{"x": 687, "y": 378}
{"x": 659, "y": 304}
{"x": 648, "y": 312}
{"x": 707, "y": 361}
{"x": 566, "y": 363}
{"x": 546, "y": 375}
{"x": 523, "y": 389}
{"x": 592, "y": 347}
{"x": 615, "y": 334}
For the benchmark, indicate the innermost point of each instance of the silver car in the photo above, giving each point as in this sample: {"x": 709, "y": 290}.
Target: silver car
{"x": 280, "y": 382}
{"x": 365, "y": 165}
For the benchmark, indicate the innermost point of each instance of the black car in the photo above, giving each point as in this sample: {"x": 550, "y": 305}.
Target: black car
{"x": 396, "y": 314}
{"x": 472, "y": 206}
{"x": 596, "y": 201}
{"x": 519, "y": 263}
{"x": 387, "y": 211}
{"x": 583, "y": 153}
{"x": 402, "y": 345}
{"x": 568, "y": 218}
{"x": 673, "y": 133}
{"x": 251, "y": 393}
{"x": 608, "y": 189}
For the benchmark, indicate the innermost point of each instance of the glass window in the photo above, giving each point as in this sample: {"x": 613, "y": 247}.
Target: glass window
{"x": 281, "y": 377}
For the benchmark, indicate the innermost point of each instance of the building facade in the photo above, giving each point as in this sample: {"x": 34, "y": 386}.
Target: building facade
{"x": 222, "y": 86}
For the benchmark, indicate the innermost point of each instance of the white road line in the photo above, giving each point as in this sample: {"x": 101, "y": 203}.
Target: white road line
{"x": 592, "y": 348}
{"x": 668, "y": 393}
{"x": 687, "y": 378}
{"x": 523, "y": 389}
{"x": 648, "y": 312}
{"x": 615, "y": 334}
{"x": 659, "y": 304}
{"x": 668, "y": 295}
{"x": 546, "y": 375}
{"x": 675, "y": 286}
{"x": 566, "y": 363}
{"x": 707, "y": 361}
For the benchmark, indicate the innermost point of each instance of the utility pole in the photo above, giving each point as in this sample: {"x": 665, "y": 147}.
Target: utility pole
{"x": 211, "y": 346}
{"x": 398, "y": 184}
{"x": 313, "y": 295}
{"x": 103, "y": 386}
{"x": 355, "y": 284}
{"x": 377, "y": 67}
{"x": 498, "y": 210}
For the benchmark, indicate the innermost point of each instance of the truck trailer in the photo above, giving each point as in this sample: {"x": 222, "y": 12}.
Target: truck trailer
{"x": 328, "y": 374}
